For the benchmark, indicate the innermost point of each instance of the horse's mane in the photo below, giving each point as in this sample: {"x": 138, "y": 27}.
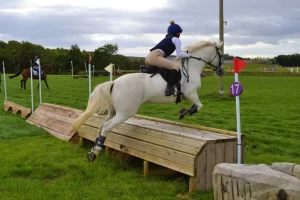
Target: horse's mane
{"x": 198, "y": 45}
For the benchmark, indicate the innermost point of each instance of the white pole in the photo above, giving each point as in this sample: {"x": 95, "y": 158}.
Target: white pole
{"x": 85, "y": 68}
{"x": 90, "y": 81}
{"x": 238, "y": 121}
{"x": 93, "y": 70}
{"x": 72, "y": 68}
{"x": 40, "y": 81}
{"x": 111, "y": 72}
{"x": 297, "y": 69}
{"x": 31, "y": 84}
{"x": 4, "y": 80}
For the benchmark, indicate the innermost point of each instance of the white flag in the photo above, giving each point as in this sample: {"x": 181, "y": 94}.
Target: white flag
{"x": 109, "y": 68}
{"x": 38, "y": 62}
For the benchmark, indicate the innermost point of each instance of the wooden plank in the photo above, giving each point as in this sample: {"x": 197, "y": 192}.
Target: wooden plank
{"x": 201, "y": 128}
{"x": 157, "y": 160}
{"x": 162, "y": 152}
{"x": 188, "y": 132}
{"x": 56, "y": 116}
{"x": 229, "y": 152}
{"x": 174, "y": 129}
{"x": 92, "y": 132}
{"x": 201, "y": 169}
{"x": 153, "y": 134}
{"x": 220, "y": 153}
{"x": 52, "y": 124}
{"x": 88, "y": 132}
{"x": 57, "y": 120}
{"x": 235, "y": 151}
{"x": 210, "y": 164}
{"x": 177, "y": 146}
{"x": 61, "y": 110}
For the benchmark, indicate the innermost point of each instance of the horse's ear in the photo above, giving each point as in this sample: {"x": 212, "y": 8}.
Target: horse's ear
{"x": 220, "y": 44}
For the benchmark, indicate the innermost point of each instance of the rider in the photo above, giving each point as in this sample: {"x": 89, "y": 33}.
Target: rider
{"x": 157, "y": 55}
{"x": 35, "y": 64}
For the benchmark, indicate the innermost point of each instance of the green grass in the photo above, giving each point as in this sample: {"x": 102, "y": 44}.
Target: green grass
{"x": 35, "y": 165}
{"x": 256, "y": 67}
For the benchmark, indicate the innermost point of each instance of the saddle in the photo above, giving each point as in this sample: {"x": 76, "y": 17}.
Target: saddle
{"x": 36, "y": 73}
{"x": 165, "y": 73}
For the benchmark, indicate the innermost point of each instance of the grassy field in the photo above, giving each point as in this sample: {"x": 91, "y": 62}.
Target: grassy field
{"x": 35, "y": 165}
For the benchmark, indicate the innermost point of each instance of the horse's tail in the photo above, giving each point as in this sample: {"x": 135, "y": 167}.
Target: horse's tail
{"x": 99, "y": 101}
{"x": 17, "y": 74}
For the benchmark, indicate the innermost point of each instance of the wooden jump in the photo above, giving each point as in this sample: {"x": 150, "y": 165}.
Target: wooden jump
{"x": 189, "y": 149}
{"x": 57, "y": 120}
{"x": 15, "y": 108}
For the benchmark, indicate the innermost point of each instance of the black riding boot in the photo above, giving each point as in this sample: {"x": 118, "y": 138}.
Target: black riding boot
{"x": 171, "y": 82}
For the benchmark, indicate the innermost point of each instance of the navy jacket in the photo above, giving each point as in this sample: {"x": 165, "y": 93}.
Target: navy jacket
{"x": 166, "y": 45}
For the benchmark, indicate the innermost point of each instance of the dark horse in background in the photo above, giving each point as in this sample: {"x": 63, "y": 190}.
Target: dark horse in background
{"x": 26, "y": 74}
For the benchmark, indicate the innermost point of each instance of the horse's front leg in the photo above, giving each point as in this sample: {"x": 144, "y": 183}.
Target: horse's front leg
{"x": 197, "y": 105}
{"x": 24, "y": 84}
{"x": 46, "y": 83}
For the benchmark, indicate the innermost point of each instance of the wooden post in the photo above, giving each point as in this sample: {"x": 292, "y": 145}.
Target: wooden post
{"x": 107, "y": 151}
{"x": 146, "y": 168}
{"x": 192, "y": 184}
{"x": 80, "y": 140}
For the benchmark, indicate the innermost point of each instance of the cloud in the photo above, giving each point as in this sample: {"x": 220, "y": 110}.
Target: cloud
{"x": 256, "y": 27}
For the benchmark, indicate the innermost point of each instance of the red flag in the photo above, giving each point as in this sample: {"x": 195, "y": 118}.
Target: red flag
{"x": 90, "y": 58}
{"x": 238, "y": 65}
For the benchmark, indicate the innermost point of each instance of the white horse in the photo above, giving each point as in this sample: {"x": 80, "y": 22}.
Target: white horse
{"x": 122, "y": 97}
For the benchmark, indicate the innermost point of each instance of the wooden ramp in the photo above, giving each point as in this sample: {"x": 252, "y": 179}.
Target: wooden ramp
{"x": 15, "y": 108}
{"x": 193, "y": 151}
{"x": 57, "y": 120}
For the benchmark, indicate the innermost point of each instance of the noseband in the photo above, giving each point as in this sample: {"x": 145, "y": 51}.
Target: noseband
{"x": 214, "y": 68}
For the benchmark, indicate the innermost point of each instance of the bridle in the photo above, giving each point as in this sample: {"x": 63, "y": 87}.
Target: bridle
{"x": 213, "y": 67}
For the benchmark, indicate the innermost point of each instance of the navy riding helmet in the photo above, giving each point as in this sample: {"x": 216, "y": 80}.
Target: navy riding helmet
{"x": 174, "y": 28}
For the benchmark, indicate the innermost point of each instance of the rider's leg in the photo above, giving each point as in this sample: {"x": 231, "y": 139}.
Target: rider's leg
{"x": 155, "y": 58}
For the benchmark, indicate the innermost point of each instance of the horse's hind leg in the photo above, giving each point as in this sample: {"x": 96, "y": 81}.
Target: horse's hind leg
{"x": 22, "y": 83}
{"x": 110, "y": 115}
{"x": 116, "y": 120}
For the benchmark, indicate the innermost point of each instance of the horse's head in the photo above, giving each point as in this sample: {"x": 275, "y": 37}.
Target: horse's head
{"x": 47, "y": 68}
{"x": 210, "y": 54}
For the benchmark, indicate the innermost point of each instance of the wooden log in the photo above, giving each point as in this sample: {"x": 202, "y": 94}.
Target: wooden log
{"x": 249, "y": 182}
{"x": 15, "y": 108}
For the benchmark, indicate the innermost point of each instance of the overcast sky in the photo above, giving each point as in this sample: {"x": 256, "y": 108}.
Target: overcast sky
{"x": 254, "y": 28}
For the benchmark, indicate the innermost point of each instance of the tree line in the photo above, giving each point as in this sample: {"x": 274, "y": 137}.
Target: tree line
{"x": 17, "y": 55}
{"x": 288, "y": 60}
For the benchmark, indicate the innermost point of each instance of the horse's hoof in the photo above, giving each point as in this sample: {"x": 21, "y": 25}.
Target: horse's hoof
{"x": 182, "y": 112}
{"x": 91, "y": 156}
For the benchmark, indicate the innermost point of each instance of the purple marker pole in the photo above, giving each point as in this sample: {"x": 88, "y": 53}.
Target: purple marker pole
{"x": 236, "y": 90}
